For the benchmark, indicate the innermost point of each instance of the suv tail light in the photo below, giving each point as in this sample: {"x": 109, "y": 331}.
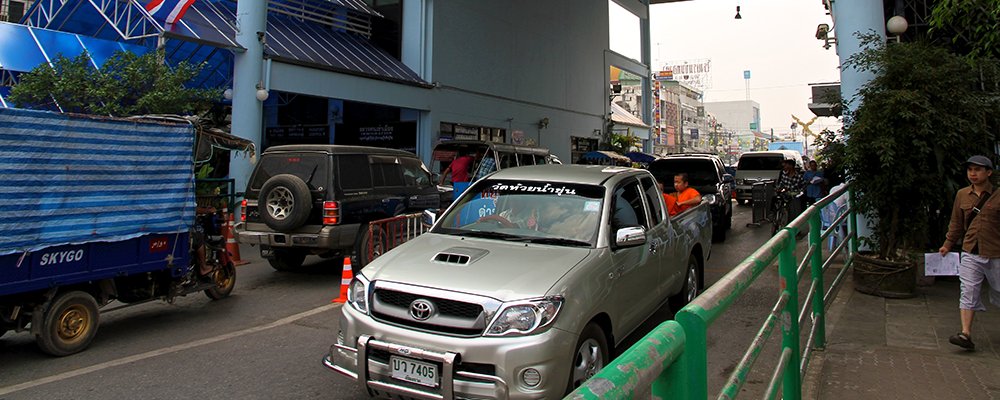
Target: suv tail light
{"x": 243, "y": 211}
{"x": 331, "y": 213}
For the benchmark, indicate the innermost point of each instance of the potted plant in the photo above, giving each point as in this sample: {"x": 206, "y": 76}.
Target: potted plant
{"x": 916, "y": 122}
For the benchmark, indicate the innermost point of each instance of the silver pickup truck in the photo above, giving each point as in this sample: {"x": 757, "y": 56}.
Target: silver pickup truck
{"x": 522, "y": 286}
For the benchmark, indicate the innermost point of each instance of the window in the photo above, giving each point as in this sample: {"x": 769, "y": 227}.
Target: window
{"x": 525, "y": 159}
{"x": 453, "y": 131}
{"x": 354, "y": 172}
{"x": 580, "y": 146}
{"x": 507, "y": 160}
{"x": 311, "y": 168}
{"x": 386, "y": 171}
{"x": 652, "y": 192}
{"x": 628, "y": 208}
{"x": 414, "y": 172}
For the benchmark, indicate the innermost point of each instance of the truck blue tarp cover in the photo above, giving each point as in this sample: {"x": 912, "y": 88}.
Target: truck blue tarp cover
{"x": 69, "y": 179}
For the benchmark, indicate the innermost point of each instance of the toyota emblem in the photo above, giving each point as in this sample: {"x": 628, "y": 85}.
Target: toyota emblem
{"x": 421, "y": 309}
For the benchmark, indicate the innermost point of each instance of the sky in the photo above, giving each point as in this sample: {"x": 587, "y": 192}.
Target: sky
{"x": 775, "y": 40}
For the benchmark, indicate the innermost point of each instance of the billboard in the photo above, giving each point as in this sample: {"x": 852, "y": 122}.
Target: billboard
{"x": 693, "y": 73}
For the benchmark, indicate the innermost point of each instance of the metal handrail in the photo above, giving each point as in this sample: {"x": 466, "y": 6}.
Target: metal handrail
{"x": 684, "y": 374}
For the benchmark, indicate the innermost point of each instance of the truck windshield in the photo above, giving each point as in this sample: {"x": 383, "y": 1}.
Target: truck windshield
{"x": 760, "y": 163}
{"x": 530, "y": 211}
{"x": 700, "y": 172}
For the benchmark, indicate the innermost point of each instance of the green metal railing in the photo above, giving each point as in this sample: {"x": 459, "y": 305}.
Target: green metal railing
{"x": 672, "y": 360}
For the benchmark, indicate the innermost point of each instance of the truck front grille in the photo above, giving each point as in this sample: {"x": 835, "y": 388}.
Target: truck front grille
{"x": 453, "y": 317}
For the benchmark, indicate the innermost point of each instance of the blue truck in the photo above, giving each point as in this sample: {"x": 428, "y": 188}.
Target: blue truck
{"x": 95, "y": 211}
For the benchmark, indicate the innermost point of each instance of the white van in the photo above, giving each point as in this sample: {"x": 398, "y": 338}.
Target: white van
{"x": 755, "y": 166}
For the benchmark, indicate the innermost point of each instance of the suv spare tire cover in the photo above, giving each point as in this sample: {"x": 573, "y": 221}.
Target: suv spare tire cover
{"x": 285, "y": 202}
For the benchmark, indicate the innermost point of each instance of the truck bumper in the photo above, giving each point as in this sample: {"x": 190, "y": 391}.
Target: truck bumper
{"x": 329, "y": 237}
{"x": 479, "y": 367}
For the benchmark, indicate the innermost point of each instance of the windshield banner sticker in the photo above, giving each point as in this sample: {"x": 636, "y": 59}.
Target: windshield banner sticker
{"x": 548, "y": 188}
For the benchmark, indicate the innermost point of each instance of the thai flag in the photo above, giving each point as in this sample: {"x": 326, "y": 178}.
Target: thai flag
{"x": 169, "y": 11}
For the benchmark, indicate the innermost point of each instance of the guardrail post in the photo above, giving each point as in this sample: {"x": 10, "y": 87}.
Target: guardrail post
{"x": 853, "y": 222}
{"x": 694, "y": 360}
{"x": 791, "y": 388}
{"x": 819, "y": 316}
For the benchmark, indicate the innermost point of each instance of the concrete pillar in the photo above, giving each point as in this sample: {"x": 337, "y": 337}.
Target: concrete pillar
{"x": 850, "y": 17}
{"x": 248, "y": 69}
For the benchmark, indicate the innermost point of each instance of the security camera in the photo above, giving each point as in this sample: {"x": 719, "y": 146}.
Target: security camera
{"x": 822, "y": 31}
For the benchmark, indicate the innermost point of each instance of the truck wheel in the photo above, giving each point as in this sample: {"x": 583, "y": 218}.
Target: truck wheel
{"x": 285, "y": 202}
{"x": 590, "y": 356}
{"x": 370, "y": 247}
{"x": 69, "y": 325}
{"x": 691, "y": 287}
{"x": 225, "y": 280}
{"x": 286, "y": 260}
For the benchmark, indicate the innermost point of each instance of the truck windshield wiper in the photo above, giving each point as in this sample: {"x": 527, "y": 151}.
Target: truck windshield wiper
{"x": 558, "y": 241}
{"x": 491, "y": 235}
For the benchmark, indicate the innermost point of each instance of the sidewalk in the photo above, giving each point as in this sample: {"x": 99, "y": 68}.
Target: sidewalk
{"x": 881, "y": 348}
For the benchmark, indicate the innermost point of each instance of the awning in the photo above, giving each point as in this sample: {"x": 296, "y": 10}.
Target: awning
{"x": 640, "y": 157}
{"x": 24, "y": 47}
{"x": 606, "y": 157}
{"x": 621, "y": 116}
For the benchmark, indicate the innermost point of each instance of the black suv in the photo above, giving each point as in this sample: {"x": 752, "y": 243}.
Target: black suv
{"x": 707, "y": 175}
{"x": 319, "y": 199}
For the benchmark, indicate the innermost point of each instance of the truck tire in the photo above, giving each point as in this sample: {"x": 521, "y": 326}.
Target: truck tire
{"x": 369, "y": 247}
{"x": 285, "y": 202}
{"x": 286, "y": 260}
{"x": 691, "y": 288}
{"x": 719, "y": 232}
{"x": 69, "y": 325}
{"x": 590, "y": 356}
{"x": 225, "y": 280}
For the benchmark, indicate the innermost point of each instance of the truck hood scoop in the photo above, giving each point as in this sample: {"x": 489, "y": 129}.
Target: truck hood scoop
{"x": 460, "y": 255}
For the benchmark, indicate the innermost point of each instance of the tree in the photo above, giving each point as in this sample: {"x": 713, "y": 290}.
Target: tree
{"x": 127, "y": 84}
{"x": 970, "y": 25}
{"x": 917, "y": 121}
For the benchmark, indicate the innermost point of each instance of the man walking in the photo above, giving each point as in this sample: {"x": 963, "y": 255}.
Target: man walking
{"x": 975, "y": 223}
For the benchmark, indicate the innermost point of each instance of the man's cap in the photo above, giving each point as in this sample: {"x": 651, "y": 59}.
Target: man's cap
{"x": 980, "y": 161}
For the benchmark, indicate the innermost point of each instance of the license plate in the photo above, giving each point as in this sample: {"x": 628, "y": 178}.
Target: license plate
{"x": 414, "y": 371}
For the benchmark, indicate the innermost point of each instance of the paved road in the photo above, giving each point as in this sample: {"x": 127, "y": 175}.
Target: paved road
{"x": 266, "y": 341}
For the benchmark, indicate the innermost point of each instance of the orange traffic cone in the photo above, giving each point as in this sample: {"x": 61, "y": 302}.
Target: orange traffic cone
{"x": 231, "y": 246}
{"x": 345, "y": 281}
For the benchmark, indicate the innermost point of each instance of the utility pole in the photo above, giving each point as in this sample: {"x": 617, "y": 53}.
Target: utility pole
{"x": 680, "y": 142}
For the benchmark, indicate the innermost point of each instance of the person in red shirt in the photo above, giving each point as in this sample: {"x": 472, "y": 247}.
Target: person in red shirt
{"x": 459, "y": 168}
{"x": 685, "y": 197}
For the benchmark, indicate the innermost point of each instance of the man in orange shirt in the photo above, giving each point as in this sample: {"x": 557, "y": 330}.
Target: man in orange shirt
{"x": 685, "y": 197}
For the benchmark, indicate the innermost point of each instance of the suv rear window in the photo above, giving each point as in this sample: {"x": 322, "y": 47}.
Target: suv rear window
{"x": 700, "y": 172}
{"x": 311, "y": 168}
{"x": 356, "y": 173}
{"x": 758, "y": 163}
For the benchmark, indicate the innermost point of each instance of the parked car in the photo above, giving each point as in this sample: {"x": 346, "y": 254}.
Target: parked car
{"x": 708, "y": 176}
{"x": 522, "y": 287}
{"x": 319, "y": 199}
{"x": 759, "y": 166}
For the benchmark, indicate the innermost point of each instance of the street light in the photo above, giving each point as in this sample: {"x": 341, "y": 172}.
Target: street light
{"x": 896, "y": 26}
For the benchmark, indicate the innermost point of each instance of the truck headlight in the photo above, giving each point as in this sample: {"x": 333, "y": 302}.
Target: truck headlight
{"x": 357, "y": 294}
{"x": 525, "y": 317}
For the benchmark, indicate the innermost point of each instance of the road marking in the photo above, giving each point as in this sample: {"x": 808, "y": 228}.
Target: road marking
{"x": 160, "y": 352}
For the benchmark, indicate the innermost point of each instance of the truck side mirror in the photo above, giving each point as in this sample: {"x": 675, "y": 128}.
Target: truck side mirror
{"x": 726, "y": 178}
{"x": 630, "y": 237}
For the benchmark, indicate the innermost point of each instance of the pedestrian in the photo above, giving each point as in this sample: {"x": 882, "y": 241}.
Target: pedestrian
{"x": 814, "y": 183}
{"x": 685, "y": 196}
{"x": 974, "y": 225}
{"x": 459, "y": 168}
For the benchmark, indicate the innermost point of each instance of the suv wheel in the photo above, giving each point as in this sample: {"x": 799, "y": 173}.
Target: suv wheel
{"x": 285, "y": 202}
{"x": 370, "y": 246}
{"x": 286, "y": 260}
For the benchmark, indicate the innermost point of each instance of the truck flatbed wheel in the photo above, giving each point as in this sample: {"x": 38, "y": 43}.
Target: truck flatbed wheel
{"x": 286, "y": 259}
{"x": 69, "y": 325}
{"x": 225, "y": 280}
{"x": 691, "y": 289}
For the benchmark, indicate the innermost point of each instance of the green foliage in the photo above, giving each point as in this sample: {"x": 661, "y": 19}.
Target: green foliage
{"x": 917, "y": 121}
{"x": 127, "y": 84}
{"x": 972, "y": 26}
{"x": 623, "y": 143}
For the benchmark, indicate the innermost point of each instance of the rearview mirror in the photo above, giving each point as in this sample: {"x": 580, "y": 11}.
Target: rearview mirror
{"x": 429, "y": 217}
